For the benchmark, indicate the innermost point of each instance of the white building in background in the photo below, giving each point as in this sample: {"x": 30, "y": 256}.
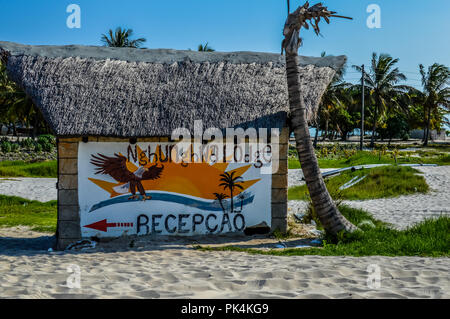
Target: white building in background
{"x": 434, "y": 135}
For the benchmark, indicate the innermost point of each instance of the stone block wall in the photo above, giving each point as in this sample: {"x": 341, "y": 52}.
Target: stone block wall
{"x": 280, "y": 184}
{"x": 68, "y": 230}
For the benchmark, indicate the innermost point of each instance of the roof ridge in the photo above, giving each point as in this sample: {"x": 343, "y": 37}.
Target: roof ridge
{"x": 164, "y": 56}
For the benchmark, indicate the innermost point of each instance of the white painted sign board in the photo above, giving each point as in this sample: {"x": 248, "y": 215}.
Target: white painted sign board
{"x": 140, "y": 189}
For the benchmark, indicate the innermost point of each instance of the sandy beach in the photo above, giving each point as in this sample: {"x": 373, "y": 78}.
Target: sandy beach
{"x": 176, "y": 270}
{"x": 172, "y": 268}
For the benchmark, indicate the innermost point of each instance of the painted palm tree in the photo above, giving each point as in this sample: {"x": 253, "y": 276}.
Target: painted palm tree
{"x": 220, "y": 197}
{"x": 435, "y": 94}
{"x": 121, "y": 39}
{"x": 205, "y": 48}
{"x": 381, "y": 83}
{"x": 231, "y": 182}
{"x": 327, "y": 211}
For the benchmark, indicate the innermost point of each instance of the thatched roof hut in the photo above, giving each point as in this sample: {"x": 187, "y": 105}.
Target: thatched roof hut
{"x": 117, "y": 99}
{"x": 99, "y": 91}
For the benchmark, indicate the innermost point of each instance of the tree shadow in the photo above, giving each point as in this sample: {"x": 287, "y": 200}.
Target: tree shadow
{"x": 26, "y": 246}
{"x": 15, "y": 246}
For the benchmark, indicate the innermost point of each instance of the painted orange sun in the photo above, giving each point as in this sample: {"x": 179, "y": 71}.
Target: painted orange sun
{"x": 198, "y": 179}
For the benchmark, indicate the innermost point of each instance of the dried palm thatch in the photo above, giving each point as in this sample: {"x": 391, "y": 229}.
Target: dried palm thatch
{"x": 125, "y": 92}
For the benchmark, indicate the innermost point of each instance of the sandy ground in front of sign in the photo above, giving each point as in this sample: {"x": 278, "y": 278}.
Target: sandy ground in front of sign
{"x": 173, "y": 269}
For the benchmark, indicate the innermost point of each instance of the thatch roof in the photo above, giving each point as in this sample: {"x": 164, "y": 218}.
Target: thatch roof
{"x": 87, "y": 90}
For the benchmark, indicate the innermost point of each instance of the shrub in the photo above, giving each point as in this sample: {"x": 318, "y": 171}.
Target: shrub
{"x": 47, "y": 147}
{"x": 27, "y": 143}
{"x": 47, "y": 138}
{"x": 5, "y": 146}
{"x": 47, "y": 142}
{"x": 15, "y": 147}
{"x": 38, "y": 147}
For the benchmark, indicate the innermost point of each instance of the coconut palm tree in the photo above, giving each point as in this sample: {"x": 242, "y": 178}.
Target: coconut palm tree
{"x": 333, "y": 96}
{"x": 17, "y": 107}
{"x": 332, "y": 220}
{"x": 231, "y": 182}
{"x": 121, "y": 39}
{"x": 435, "y": 94}
{"x": 344, "y": 112}
{"x": 220, "y": 197}
{"x": 205, "y": 48}
{"x": 381, "y": 83}
{"x": 10, "y": 98}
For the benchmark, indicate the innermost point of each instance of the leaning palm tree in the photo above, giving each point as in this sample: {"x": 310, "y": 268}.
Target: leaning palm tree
{"x": 121, "y": 39}
{"x": 435, "y": 94}
{"x": 205, "y": 48}
{"x": 231, "y": 182}
{"x": 330, "y": 217}
{"x": 220, "y": 197}
{"x": 382, "y": 86}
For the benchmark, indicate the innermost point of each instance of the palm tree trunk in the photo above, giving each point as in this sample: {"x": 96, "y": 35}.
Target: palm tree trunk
{"x": 316, "y": 135}
{"x": 221, "y": 205}
{"x": 374, "y": 126}
{"x": 330, "y": 217}
{"x": 424, "y": 124}
{"x": 427, "y": 133}
{"x": 325, "y": 131}
{"x": 231, "y": 197}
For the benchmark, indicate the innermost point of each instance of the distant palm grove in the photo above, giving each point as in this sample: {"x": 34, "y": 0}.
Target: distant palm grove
{"x": 392, "y": 109}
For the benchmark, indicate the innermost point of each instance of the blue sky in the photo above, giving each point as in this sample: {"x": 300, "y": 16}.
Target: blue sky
{"x": 412, "y": 30}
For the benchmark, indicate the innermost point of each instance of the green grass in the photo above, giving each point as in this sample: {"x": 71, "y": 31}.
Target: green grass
{"x": 365, "y": 157}
{"x": 380, "y": 182}
{"x": 26, "y": 169}
{"x": 16, "y": 211}
{"x": 431, "y": 238}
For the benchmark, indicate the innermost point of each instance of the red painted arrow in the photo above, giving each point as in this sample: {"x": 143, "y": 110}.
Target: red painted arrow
{"x": 103, "y": 225}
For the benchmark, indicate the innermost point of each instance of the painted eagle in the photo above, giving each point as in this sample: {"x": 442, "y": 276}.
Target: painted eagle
{"x": 116, "y": 167}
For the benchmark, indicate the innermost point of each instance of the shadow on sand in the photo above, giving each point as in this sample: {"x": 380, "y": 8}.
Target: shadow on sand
{"x": 15, "y": 246}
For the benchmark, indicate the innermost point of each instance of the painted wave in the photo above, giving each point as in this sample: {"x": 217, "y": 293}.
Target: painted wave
{"x": 212, "y": 205}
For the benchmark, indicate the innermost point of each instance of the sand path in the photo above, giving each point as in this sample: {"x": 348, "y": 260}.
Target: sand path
{"x": 403, "y": 211}
{"x": 41, "y": 189}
